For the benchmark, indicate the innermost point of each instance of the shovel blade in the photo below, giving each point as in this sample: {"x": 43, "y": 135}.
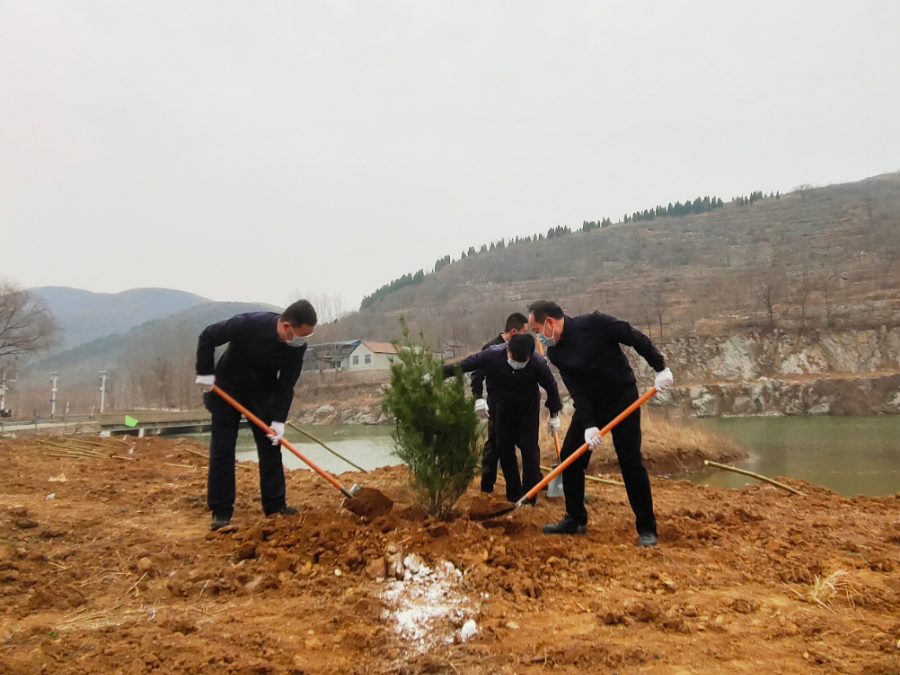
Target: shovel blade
{"x": 555, "y": 486}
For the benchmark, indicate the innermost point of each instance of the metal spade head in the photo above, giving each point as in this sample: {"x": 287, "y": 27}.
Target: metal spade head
{"x": 353, "y": 490}
{"x": 555, "y": 487}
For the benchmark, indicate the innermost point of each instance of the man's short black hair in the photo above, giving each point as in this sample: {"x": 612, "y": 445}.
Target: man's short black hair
{"x": 521, "y": 346}
{"x": 300, "y": 313}
{"x": 545, "y": 308}
{"x": 516, "y": 321}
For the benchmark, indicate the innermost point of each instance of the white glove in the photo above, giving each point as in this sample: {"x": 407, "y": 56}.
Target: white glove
{"x": 592, "y": 437}
{"x": 426, "y": 378}
{"x": 206, "y": 382}
{"x": 664, "y": 380}
{"x": 278, "y": 428}
{"x": 481, "y": 408}
{"x": 553, "y": 424}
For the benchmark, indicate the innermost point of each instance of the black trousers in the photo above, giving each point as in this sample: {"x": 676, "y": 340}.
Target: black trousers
{"x": 519, "y": 428}
{"x": 220, "y": 490}
{"x": 489, "y": 457}
{"x": 627, "y": 442}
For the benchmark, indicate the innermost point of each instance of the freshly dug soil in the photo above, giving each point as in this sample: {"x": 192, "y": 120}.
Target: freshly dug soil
{"x": 369, "y": 503}
{"x": 111, "y": 568}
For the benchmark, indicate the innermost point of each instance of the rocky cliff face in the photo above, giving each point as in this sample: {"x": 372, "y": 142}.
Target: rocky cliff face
{"x": 819, "y": 373}
{"x": 863, "y": 395}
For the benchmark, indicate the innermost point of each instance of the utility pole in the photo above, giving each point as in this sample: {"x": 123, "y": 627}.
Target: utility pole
{"x": 54, "y": 380}
{"x": 102, "y": 390}
{"x": 4, "y": 390}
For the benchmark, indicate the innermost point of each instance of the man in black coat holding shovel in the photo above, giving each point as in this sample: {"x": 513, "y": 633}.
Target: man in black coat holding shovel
{"x": 259, "y": 369}
{"x": 586, "y": 350}
{"x": 515, "y": 323}
{"x": 513, "y": 373}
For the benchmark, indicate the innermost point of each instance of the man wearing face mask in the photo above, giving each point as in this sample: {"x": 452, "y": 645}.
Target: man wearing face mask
{"x": 513, "y": 373}
{"x": 515, "y": 323}
{"x": 586, "y": 350}
{"x": 259, "y": 368}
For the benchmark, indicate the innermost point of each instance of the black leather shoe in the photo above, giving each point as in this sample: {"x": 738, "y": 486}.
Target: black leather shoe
{"x": 645, "y": 540}
{"x": 284, "y": 510}
{"x": 567, "y": 525}
{"x": 219, "y": 521}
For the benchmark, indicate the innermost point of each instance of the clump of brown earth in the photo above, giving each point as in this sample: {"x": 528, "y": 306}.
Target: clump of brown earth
{"x": 369, "y": 503}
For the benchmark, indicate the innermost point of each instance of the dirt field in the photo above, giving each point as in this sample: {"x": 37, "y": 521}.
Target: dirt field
{"x": 117, "y": 573}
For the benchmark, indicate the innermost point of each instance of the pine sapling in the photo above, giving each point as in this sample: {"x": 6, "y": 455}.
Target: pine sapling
{"x": 436, "y": 433}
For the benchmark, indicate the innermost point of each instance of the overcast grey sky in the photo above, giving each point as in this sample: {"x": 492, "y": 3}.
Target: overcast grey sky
{"x": 241, "y": 150}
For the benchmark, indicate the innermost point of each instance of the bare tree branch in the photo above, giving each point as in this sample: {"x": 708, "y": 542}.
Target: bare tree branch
{"x": 26, "y": 326}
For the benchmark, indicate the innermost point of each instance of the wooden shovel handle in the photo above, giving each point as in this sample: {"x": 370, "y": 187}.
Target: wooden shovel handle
{"x": 265, "y": 427}
{"x": 580, "y": 451}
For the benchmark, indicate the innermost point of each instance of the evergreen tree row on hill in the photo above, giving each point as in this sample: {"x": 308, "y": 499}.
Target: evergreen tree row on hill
{"x": 690, "y": 206}
{"x": 754, "y": 196}
{"x": 395, "y": 285}
{"x": 589, "y": 225}
{"x": 698, "y": 205}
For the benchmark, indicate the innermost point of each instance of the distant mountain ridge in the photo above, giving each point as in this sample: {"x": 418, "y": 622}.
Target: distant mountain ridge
{"x": 159, "y": 338}
{"x": 86, "y": 316}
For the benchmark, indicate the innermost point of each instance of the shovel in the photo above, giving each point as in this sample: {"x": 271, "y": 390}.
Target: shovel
{"x": 555, "y": 487}
{"x": 265, "y": 427}
{"x": 568, "y": 460}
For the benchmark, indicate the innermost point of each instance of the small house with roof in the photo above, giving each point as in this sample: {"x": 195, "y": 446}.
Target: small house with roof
{"x": 370, "y": 356}
{"x": 350, "y": 355}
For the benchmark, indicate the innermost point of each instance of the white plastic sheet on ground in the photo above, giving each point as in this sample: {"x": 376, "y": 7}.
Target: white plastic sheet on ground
{"x": 428, "y": 606}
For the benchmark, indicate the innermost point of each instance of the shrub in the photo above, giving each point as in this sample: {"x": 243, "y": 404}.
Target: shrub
{"x": 436, "y": 431}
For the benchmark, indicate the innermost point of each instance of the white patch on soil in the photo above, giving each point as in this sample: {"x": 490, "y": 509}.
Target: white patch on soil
{"x": 427, "y": 607}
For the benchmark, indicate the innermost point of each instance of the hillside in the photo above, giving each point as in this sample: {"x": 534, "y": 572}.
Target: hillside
{"x": 786, "y": 288}
{"x": 86, "y": 316}
{"x": 817, "y": 257}
{"x": 152, "y": 363}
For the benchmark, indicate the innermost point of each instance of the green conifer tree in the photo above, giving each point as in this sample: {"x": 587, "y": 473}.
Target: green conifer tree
{"x": 436, "y": 431}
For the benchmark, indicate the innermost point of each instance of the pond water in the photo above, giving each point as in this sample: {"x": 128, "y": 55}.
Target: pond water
{"x": 368, "y": 446}
{"x": 850, "y": 455}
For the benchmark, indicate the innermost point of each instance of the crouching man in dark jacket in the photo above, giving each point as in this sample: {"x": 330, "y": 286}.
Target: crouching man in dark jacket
{"x": 586, "y": 350}
{"x": 515, "y": 323}
{"x": 514, "y": 372}
{"x": 258, "y": 369}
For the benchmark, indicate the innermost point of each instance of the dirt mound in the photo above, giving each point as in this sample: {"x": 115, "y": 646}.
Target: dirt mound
{"x": 369, "y": 503}
{"x": 121, "y": 575}
{"x": 482, "y": 507}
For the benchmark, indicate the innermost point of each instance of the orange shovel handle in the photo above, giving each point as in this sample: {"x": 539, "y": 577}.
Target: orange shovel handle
{"x": 556, "y": 443}
{"x": 265, "y": 427}
{"x": 580, "y": 451}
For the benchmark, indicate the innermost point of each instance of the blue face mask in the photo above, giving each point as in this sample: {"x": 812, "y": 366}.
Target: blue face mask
{"x": 544, "y": 340}
{"x": 516, "y": 365}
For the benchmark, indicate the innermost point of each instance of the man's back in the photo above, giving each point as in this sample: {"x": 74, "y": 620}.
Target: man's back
{"x": 255, "y": 362}
{"x": 589, "y": 352}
